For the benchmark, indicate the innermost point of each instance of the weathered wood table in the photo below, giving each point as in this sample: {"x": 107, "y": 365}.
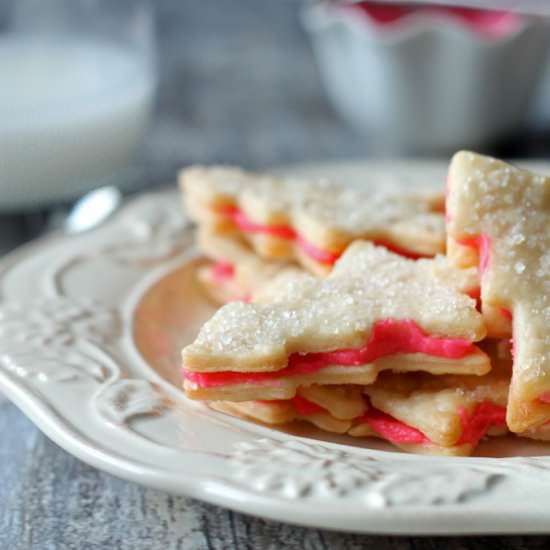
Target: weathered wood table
{"x": 238, "y": 84}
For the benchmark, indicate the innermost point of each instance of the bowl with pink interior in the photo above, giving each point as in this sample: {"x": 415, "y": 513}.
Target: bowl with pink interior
{"x": 428, "y": 78}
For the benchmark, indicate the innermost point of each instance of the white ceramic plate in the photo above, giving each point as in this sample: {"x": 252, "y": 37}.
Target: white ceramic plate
{"x": 90, "y": 332}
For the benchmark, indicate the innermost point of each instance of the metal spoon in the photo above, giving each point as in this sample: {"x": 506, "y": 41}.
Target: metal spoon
{"x": 92, "y": 209}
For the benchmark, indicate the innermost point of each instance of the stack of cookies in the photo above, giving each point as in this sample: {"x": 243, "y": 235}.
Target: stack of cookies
{"x": 408, "y": 317}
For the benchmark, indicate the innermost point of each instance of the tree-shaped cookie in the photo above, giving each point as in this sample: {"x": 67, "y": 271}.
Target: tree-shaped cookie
{"x": 428, "y": 414}
{"x": 310, "y": 222}
{"x": 375, "y": 311}
{"x": 499, "y": 218}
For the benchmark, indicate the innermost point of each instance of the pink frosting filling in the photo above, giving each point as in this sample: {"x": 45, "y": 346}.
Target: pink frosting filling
{"x": 476, "y": 425}
{"x": 304, "y": 406}
{"x": 322, "y": 256}
{"x": 245, "y": 224}
{"x": 545, "y": 398}
{"x": 222, "y": 271}
{"x": 246, "y": 297}
{"x": 482, "y": 243}
{"x": 391, "y": 429}
{"x": 490, "y": 23}
{"x": 506, "y": 313}
{"x": 475, "y": 293}
{"x": 389, "y": 337}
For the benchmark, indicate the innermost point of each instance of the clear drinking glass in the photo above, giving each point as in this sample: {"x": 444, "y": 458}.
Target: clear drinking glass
{"x": 77, "y": 80}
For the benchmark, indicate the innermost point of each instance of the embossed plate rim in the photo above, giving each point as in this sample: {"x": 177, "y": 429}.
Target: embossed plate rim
{"x": 256, "y": 471}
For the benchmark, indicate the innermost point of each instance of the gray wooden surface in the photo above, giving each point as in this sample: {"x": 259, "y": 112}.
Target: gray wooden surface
{"x": 237, "y": 85}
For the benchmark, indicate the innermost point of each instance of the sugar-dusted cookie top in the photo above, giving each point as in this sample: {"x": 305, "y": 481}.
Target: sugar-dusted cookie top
{"x": 316, "y": 219}
{"x": 499, "y": 215}
{"x": 368, "y": 285}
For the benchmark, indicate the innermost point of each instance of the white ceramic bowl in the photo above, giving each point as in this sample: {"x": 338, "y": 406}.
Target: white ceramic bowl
{"x": 427, "y": 82}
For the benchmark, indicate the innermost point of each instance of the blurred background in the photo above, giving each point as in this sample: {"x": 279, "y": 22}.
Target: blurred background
{"x": 96, "y": 93}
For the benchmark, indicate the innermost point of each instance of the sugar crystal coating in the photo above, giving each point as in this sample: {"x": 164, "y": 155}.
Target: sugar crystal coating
{"x": 335, "y": 205}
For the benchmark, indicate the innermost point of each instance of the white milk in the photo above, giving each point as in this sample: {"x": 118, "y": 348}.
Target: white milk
{"x": 71, "y": 112}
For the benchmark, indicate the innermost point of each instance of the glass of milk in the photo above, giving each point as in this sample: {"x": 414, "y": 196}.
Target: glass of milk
{"x": 77, "y": 80}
